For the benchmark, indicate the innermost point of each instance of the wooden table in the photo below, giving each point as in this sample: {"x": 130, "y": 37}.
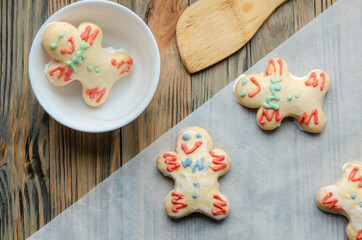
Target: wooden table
{"x": 44, "y": 166}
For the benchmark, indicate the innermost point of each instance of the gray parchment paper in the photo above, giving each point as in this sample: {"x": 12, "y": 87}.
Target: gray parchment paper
{"x": 274, "y": 176}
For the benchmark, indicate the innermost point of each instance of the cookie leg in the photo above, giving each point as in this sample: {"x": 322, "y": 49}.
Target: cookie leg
{"x": 95, "y": 96}
{"x": 176, "y": 206}
{"x": 269, "y": 119}
{"x": 312, "y": 120}
{"x": 216, "y": 206}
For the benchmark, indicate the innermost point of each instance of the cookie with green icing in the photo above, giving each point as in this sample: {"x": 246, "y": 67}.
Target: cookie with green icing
{"x": 78, "y": 55}
{"x": 278, "y": 94}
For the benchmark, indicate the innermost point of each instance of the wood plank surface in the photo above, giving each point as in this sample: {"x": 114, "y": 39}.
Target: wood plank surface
{"x": 44, "y": 166}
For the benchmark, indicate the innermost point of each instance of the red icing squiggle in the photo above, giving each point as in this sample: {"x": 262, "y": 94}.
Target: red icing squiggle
{"x": 306, "y": 119}
{"x": 219, "y": 205}
{"x": 280, "y": 66}
{"x": 331, "y": 202}
{"x": 85, "y": 35}
{"x": 268, "y": 116}
{"x": 352, "y": 176}
{"x": 61, "y": 69}
{"x": 175, "y": 201}
{"x": 64, "y": 51}
{"x": 271, "y": 63}
{"x": 196, "y": 146}
{"x": 128, "y": 67}
{"x": 359, "y": 235}
{"x": 171, "y": 159}
{"x": 120, "y": 63}
{"x": 219, "y": 161}
{"x": 323, "y": 76}
{"x": 68, "y": 73}
{"x": 313, "y": 76}
{"x": 93, "y": 93}
{"x": 257, "y": 84}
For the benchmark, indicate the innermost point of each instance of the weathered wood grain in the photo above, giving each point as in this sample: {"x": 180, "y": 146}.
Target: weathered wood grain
{"x": 44, "y": 166}
{"x": 172, "y": 100}
{"x": 24, "y": 136}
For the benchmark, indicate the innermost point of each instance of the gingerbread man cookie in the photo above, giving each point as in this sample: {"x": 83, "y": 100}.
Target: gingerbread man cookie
{"x": 195, "y": 168}
{"x": 78, "y": 54}
{"x": 345, "y": 198}
{"x": 278, "y": 94}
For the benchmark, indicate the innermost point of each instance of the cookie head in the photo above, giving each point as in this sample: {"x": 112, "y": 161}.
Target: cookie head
{"x": 193, "y": 140}
{"x": 59, "y": 41}
{"x": 78, "y": 55}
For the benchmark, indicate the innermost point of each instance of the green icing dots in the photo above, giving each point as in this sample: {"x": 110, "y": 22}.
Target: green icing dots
{"x": 91, "y": 68}
{"x": 274, "y": 87}
{"x": 77, "y": 59}
{"x": 55, "y": 45}
{"x": 243, "y": 92}
{"x": 290, "y": 97}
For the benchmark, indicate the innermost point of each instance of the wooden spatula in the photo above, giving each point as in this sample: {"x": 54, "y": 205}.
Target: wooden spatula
{"x": 211, "y": 30}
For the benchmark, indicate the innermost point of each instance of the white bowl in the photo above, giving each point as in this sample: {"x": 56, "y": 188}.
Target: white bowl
{"x": 128, "y": 97}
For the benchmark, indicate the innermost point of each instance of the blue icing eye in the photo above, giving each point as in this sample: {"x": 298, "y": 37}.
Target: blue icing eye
{"x": 195, "y": 195}
{"x": 186, "y": 137}
{"x": 198, "y": 135}
{"x": 353, "y": 196}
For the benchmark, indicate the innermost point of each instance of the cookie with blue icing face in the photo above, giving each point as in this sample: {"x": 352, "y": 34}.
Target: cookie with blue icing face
{"x": 195, "y": 168}
{"x": 278, "y": 94}
{"x": 345, "y": 198}
{"x": 78, "y": 55}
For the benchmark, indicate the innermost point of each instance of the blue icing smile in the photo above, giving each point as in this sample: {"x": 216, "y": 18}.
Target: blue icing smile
{"x": 186, "y": 137}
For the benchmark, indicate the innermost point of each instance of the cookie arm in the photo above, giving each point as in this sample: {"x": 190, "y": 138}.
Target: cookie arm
{"x": 327, "y": 200}
{"x": 168, "y": 163}
{"x": 59, "y": 74}
{"x": 319, "y": 80}
{"x": 313, "y": 118}
{"x": 220, "y": 162}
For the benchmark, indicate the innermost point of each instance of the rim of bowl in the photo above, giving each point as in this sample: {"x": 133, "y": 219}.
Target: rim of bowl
{"x": 133, "y": 115}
